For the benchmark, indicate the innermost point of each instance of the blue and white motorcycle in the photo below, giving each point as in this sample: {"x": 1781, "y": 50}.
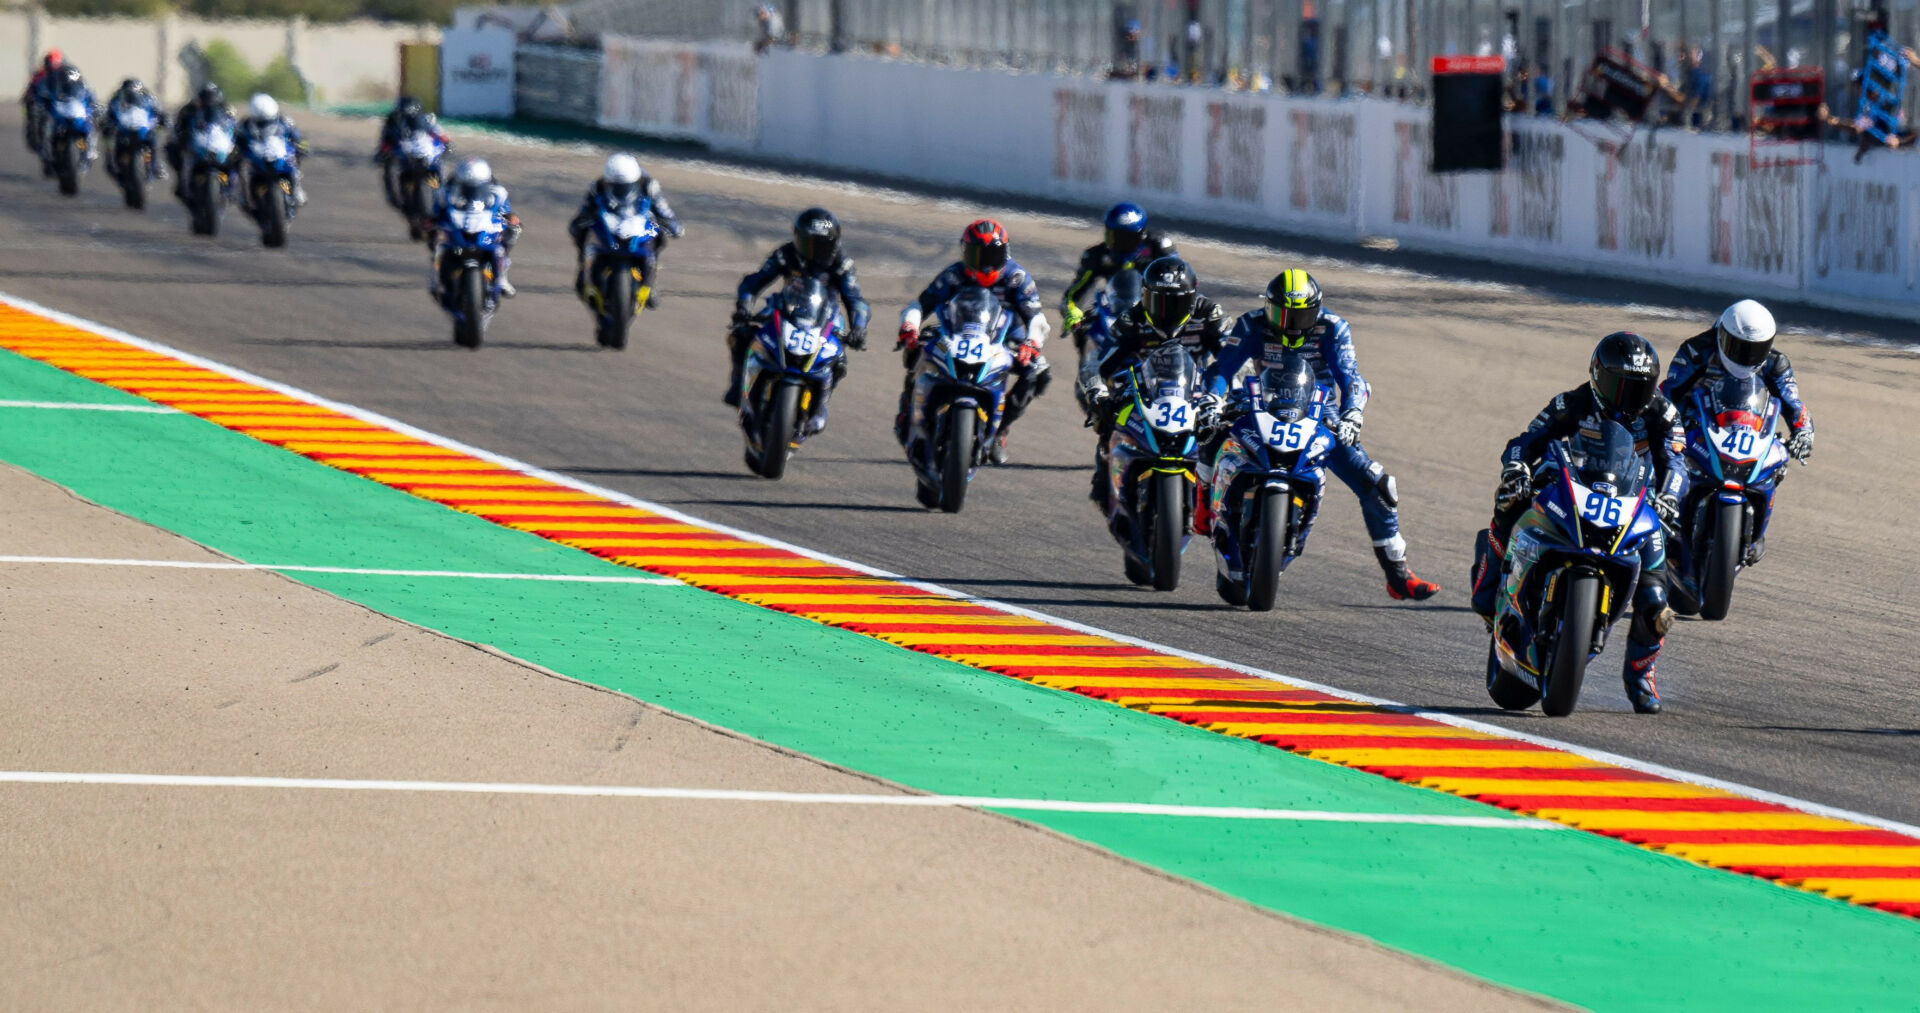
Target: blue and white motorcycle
{"x": 1267, "y": 482}
{"x": 418, "y": 177}
{"x": 789, "y": 375}
{"x": 131, "y": 163}
{"x": 959, "y": 390}
{"x": 1734, "y": 464}
{"x": 67, "y": 140}
{"x": 1093, "y": 335}
{"x": 1571, "y": 567}
{"x": 270, "y": 172}
{"x": 209, "y": 172}
{"x": 1150, "y": 466}
{"x": 619, "y": 260}
{"x": 466, "y": 264}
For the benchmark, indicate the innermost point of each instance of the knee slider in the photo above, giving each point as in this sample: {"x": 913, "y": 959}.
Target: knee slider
{"x": 1384, "y": 486}
{"x": 1651, "y": 616}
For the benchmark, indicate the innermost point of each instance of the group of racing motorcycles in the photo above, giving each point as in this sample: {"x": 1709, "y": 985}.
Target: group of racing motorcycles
{"x": 1227, "y": 428}
{"x": 1207, "y": 425}
{"x": 215, "y": 158}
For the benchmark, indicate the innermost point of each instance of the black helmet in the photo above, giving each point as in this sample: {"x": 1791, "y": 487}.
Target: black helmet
{"x": 1288, "y": 388}
{"x": 1625, "y": 372}
{"x": 1293, "y": 306}
{"x": 816, "y": 236}
{"x": 67, "y": 77}
{"x": 408, "y": 107}
{"x": 210, "y": 97}
{"x": 1170, "y": 290}
{"x": 131, "y": 89}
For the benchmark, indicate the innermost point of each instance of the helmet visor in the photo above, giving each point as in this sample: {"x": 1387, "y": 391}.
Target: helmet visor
{"x": 1629, "y": 393}
{"x": 815, "y": 249}
{"x": 1743, "y": 353}
{"x": 1293, "y": 321}
{"x": 984, "y": 261}
{"x": 1168, "y": 311}
{"x": 1125, "y": 240}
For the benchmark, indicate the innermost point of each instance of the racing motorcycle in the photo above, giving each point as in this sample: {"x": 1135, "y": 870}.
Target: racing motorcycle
{"x": 465, "y": 261}
{"x": 209, "y": 182}
{"x": 1150, "y": 466}
{"x": 1572, "y": 564}
{"x": 959, "y": 389}
{"x": 789, "y": 373}
{"x": 418, "y": 179}
{"x": 268, "y": 189}
{"x": 67, "y": 141}
{"x": 131, "y": 164}
{"x": 1267, "y": 481}
{"x": 1093, "y": 336}
{"x": 1734, "y": 464}
{"x": 619, "y": 259}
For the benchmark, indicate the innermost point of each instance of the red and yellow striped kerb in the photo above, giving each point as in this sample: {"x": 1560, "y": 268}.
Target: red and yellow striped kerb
{"x": 1849, "y": 861}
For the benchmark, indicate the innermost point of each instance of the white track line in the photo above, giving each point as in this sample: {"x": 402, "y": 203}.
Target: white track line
{"x": 1598, "y": 755}
{"x": 184, "y": 564}
{"x": 148, "y": 409}
{"x": 786, "y": 797}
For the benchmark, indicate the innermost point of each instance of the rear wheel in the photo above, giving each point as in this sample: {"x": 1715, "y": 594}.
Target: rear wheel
{"x": 1579, "y": 610}
{"x": 1723, "y": 559}
{"x": 1269, "y": 541}
{"x": 472, "y": 302}
{"x": 1169, "y": 520}
{"x": 956, "y": 459}
{"x": 618, "y": 305}
{"x": 776, "y": 430}
{"x": 66, "y": 166}
{"x": 273, "y": 216}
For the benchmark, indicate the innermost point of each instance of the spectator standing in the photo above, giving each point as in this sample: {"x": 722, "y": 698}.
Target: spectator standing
{"x": 773, "y": 28}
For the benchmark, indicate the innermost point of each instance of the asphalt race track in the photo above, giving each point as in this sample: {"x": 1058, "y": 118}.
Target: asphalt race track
{"x": 1808, "y": 688}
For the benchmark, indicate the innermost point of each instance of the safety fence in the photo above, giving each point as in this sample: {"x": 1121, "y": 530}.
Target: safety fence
{"x": 1673, "y": 207}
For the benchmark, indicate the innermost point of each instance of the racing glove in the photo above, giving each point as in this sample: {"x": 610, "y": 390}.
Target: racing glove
{"x": 1667, "y": 505}
{"x": 1800, "y": 447}
{"x": 1026, "y": 354}
{"x": 909, "y": 337}
{"x": 1347, "y": 430}
{"x": 1071, "y": 315}
{"x": 1514, "y": 482}
{"x": 857, "y": 339}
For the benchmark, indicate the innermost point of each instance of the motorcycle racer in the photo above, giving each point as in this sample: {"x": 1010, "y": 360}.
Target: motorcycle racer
{"x": 61, "y": 83}
{"x": 1620, "y": 388}
{"x": 1294, "y": 321}
{"x": 985, "y": 263}
{"x": 132, "y": 94}
{"x": 408, "y": 115}
{"x": 809, "y": 293}
{"x": 35, "y": 98}
{"x": 263, "y": 119}
{"x": 622, "y": 181}
{"x": 814, "y": 253}
{"x": 1127, "y": 244}
{"x": 208, "y": 105}
{"x": 473, "y": 181}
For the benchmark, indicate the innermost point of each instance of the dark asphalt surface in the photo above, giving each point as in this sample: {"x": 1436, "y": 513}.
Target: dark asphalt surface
{"x": 1808, "y": 689}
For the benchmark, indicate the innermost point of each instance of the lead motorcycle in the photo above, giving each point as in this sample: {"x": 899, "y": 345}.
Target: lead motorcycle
{"x": 959, "y": 390}
{"x": 67, "y": 140}
{"x": 209, "y": 175}
{"x": 267, "y": 193}
{"x": 469, "y": 244}
{"x": 619, "y": 258}
{"x": 1268, "y": 480}
{"x": 418, "y": 178}
{"x": 1149, "y": 464}
{"x": 1571, "y": 567}
{"x": 1734, "y": 464}
{"x": 131, "y": 164}
{"x": 791, "y": 368}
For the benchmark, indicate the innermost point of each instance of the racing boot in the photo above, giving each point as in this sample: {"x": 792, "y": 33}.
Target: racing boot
{"x": 736, "y": 352}
{"x": 1488, "y": 561}
{"x": 1203, "y": 511}
{"x": 1402, "y": 585}
{"x": 1638, "y": 676}
{"x": 1755, "y": 551}
{"x": 997, "y": 451}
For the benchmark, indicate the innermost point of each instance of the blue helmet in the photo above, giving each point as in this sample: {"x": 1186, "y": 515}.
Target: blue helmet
{"x": 1126, "y": 227}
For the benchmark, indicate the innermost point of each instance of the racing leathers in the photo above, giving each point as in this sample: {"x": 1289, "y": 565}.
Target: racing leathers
{"x": 1098, "y": 264}
{"x": 1131, "y": 338}
{"x": 1698, "y": 362}
{"x": 395, "y": 128}
{"x": 1660, "y": 438}
{"x": 785, "y": 264}
{"x": 599, "y": 196}
{"x": 1328, "y": 347}
{"x": 1021, "y": 298}
{"x": 118, "y": 105}
{"x": 189, "y": 119}
{"x": 746, "y": 327}
{"x": 252, "y": 130}
{"x": 496, "y": 201}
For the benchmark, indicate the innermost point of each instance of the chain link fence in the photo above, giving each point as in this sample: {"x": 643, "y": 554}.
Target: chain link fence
{"x": 1708, "y": 49}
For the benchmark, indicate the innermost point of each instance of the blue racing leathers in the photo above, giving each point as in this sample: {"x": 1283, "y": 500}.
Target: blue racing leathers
{"x": 1328, "y": 346}
{"x": 1698, "y": 362}
{"x": 1014, "y": 288}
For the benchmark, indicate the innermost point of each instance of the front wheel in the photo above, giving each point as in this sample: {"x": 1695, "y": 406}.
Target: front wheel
{"x": 206, "y": 215}
{"x": 1579, "y": 611}
{"x": 66, "y": 166}
{"x": 956, "y": 459}
{"x": 273, "y": 216}
{"x": 1723, "y": 559}
{"x": 776, "y": 430}
{"x": 1269, "y": 542}
{"x": 133, "y": 177}
{"x": 471, "y": 302}
{"x": 1169, "y": 523}
{"x": 617, "y": 305}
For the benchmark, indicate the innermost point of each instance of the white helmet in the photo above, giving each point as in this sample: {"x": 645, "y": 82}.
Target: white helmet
{"x": 1745, "y": 336}
{"x": 474, "y": 172}
{"x": 621, "y": 168}
{"x": 262, "y": 107}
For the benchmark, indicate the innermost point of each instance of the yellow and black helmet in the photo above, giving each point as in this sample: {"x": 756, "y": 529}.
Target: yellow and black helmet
{"x": 1293, "y": 306}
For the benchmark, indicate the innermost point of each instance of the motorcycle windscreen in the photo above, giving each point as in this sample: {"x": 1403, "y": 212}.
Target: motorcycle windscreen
{"x": 1607, "y": 459}
{"x": 1168, "y": 371}
{"x": 973, "y": 305}
{"x": 1739, "y": 402}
